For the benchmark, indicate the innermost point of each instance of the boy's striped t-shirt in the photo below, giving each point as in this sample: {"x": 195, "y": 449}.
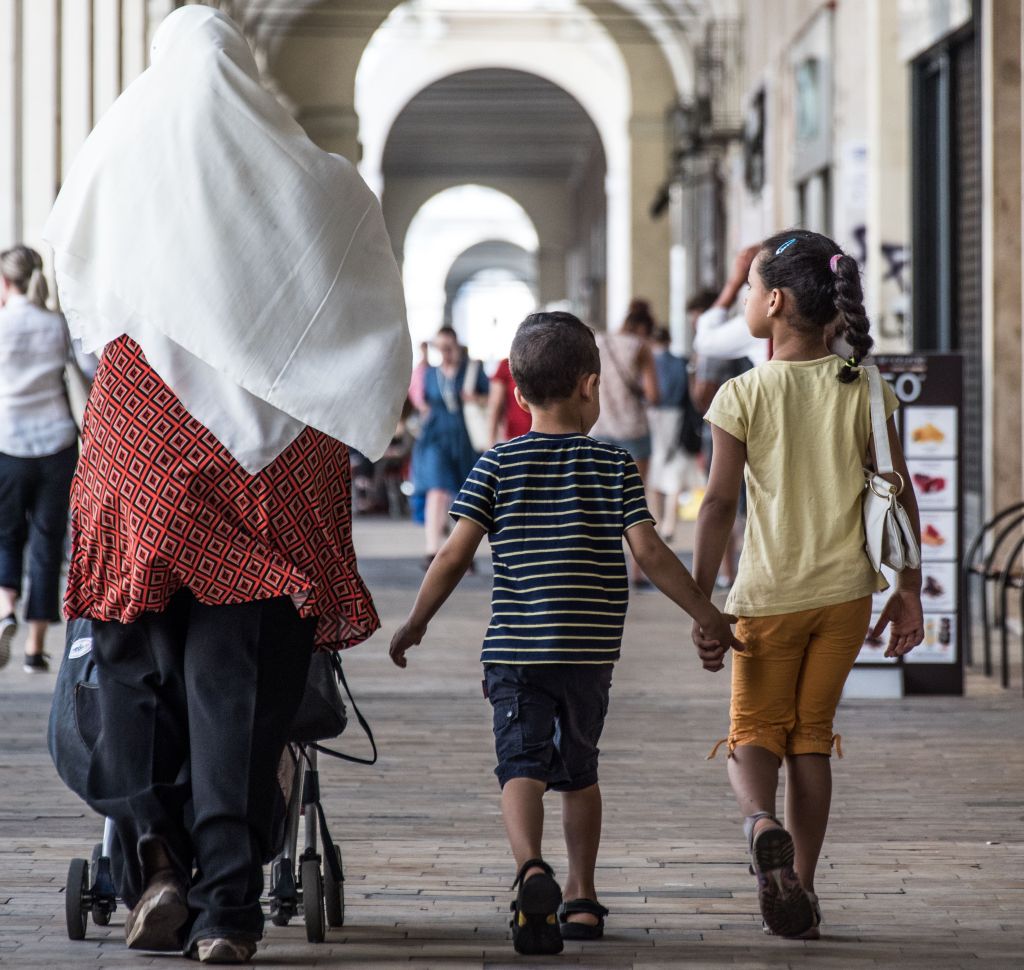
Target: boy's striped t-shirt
{"x": 555, "y": 508}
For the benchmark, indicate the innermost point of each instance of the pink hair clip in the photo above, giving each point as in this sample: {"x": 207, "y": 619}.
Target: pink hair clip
{"x": 833, "y": 263}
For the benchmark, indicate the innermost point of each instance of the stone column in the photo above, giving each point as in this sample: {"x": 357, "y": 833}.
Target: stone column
{"x": 39, "y": 97}
{"x": 1001, "y": 249}
{"x": 134, "y": 43}
{"x": 76, "y": 80}
{"x": 650, "y": 237}
{"x": 106, "y": 55}
{"x": 10, "y": 129}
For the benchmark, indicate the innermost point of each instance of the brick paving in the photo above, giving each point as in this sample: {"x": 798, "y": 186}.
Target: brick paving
{"x": 924, "y": 864}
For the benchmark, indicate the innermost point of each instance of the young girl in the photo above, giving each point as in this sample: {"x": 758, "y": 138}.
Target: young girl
{"x": 800, "y": 425}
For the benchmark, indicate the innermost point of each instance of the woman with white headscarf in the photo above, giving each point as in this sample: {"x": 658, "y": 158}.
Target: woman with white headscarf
{"x": 243, "y": 289}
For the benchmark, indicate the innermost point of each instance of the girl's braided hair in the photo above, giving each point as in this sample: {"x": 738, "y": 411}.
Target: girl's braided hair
{"x": 825, "y": 285}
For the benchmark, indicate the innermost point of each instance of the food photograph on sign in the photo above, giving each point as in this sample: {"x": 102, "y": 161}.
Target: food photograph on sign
{"x": 934, "y": 483}
{"x": 930, "y": 432}
{"x": 939, "y": 645}
{"x": 938, "y": 586}
{"x": 938, "y": 536}
{"x": 873, "y": 649}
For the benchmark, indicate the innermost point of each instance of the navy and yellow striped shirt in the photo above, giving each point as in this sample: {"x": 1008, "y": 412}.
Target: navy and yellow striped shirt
{"x": 555, "y": 507}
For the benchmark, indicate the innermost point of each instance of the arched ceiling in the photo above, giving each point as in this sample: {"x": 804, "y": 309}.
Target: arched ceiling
{"x": 492, "y": 254}
{"x": 674, "y": 26}
{"x": 462, "y": 127}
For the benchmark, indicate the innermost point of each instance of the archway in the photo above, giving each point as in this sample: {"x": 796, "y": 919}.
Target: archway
{"x": 489, "y": 289}
{"x": 446, "y": 227}
{"x": 576, "y": 58}
{"x": 523, "y": 136}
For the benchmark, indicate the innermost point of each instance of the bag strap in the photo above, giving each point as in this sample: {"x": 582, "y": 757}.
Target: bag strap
{"x": 635, "y": 389}
{"x": 879, "y": 429}
{"x": 336, "y": 663}
{"x": 470, "y": 379}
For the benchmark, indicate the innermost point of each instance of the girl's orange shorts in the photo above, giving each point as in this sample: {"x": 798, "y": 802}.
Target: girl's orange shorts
{"x": 787, "y": 683}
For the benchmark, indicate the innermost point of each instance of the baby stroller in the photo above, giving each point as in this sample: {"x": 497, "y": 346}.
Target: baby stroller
{"x": 305, "y": 882}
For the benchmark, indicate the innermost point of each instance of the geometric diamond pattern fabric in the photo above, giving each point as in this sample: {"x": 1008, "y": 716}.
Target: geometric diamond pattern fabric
{"x": 158, "y": 503}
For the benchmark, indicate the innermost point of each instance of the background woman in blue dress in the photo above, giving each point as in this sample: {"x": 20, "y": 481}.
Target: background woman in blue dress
{"x": 444, "y": 454}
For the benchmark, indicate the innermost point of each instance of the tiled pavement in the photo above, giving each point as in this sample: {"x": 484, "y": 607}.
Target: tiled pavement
{"x": 924, "y": 863}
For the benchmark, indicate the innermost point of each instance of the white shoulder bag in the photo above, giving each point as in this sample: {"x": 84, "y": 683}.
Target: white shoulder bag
{"x": 475, "y": 415}
{"x": 889, "y": 536}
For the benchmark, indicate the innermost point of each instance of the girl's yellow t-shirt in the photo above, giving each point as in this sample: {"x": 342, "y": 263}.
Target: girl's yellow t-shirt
{"x": 807, "y": 437}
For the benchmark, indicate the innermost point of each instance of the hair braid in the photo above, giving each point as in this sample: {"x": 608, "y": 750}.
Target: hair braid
{"x": 824, "y": 284}
{"x": 854, "y": 324}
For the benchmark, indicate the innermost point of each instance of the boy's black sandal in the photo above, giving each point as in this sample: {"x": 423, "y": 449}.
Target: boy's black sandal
{"x": 786, "y": 908}
{"x": 535, "y": 910}
{"x": 582, "y": 931}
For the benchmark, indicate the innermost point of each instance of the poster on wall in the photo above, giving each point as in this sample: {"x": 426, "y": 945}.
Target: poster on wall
{"x": 934, "y": 483}
{"x": 930, "y": 390}
{"x": 930, "y": 432}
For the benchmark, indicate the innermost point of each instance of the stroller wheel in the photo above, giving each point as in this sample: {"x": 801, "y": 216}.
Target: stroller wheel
{"x": 334, "y": 893}
{"x": 313, "y": 901}
{"x": 76, "y": 899}
{"x": 278, "y": 916}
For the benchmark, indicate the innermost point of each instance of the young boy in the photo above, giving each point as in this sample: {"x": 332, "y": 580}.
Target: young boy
{"x": 555, "y": 504}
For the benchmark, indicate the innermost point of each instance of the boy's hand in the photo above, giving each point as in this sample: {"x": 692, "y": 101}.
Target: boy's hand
{"x": 904, "y": 612}
{"x": 408, "y": 635}
{"x": 713, "y": 639}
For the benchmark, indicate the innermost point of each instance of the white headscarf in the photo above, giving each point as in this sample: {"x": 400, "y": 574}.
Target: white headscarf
{"x": 252, "y": 267}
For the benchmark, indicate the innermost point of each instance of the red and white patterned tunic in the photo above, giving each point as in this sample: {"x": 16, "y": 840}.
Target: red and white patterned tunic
{"x": 158, "y": 504}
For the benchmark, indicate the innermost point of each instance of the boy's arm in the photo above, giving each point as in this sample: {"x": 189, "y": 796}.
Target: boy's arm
{"x": 672, "y": 578}
{"x": 448, "y": 567}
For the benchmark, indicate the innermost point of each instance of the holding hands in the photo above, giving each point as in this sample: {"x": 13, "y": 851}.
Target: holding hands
{"x": 713, "y": 638}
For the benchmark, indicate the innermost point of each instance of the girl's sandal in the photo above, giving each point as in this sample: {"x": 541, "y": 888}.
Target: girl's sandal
{"x": 535, "y": 910}
{"x": 785, "y": 906}
{"x": 573, "y": 930}
{"x": 814, "y": 933}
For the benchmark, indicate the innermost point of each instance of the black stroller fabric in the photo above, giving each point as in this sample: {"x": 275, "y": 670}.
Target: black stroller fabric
{"x": 75, "y": 715}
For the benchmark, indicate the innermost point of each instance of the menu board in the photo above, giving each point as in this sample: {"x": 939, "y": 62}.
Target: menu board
{"x": 930, "y": 389}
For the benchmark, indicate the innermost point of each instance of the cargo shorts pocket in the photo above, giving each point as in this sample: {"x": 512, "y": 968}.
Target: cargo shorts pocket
{"x": 508, "y": 727}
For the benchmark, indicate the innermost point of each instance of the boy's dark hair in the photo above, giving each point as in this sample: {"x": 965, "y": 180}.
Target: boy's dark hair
{"x": 825, "y": 284}
{"x": 549, "y": 355}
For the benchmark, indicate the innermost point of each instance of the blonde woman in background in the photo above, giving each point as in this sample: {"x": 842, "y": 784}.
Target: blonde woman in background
{"x": 38, "y": 451}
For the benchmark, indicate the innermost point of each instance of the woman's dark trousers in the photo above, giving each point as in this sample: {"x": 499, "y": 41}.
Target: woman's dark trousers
{"x": 34, "y": 498}
{"x": 196, "y": 703}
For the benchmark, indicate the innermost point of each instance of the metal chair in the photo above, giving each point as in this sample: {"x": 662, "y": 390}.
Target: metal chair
{"x": 989, "y": 568}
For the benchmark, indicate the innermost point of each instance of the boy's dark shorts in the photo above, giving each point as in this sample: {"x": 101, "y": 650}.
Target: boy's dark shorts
{"x": 548, "y": 719}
